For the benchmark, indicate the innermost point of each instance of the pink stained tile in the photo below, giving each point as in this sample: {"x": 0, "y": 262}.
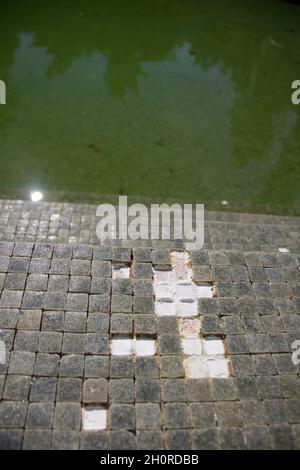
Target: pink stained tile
{"x": 189, "y": 328}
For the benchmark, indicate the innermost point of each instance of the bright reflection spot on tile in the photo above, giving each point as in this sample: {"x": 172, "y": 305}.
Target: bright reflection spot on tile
{"x": 36, "y": 196}
{"x": 213, "y": 346}
{"x": 145, "y": 347}
{"x": 94, "y": 419}
{"x": 192, "y": 347}
{"x": 195, "y": 367}
{"x": 120, "y": 271}
{"x": 218, "y": 368}
{"x": 121, "y": 347}
{"x": 189, "y": 328}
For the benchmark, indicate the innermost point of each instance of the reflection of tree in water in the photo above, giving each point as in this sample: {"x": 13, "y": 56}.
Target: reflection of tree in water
{"x": 251, "y": 40}
{"x": 127, "y": 33}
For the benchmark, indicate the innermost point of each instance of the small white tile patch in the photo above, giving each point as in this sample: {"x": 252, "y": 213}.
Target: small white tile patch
{"x": 214, "y": 347}
{"x": 94, "y": 419}
{"x": 185, "y": 290}
{"x": 177, "y": 285}
{"x": 283, "y": 250}
{"x": 122, "y": 347}
{"x": 120, "y": 271}
{"x": 165, "y": 308}
{"x": 186, "y": 308}
{"x": 202, "y": 291}
{"x": 165, "y": 291}
{"x": 218, "y": 368}
{"x": 177, "y": 294}
{"x": 128, "y": 346}
{"x": 195, "y": 367}
{"x": 192, "y": 346}
{"x": 204, "y": 358}
{"x": 145, "y": 347}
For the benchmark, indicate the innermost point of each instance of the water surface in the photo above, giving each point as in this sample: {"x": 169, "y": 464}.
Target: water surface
{"x": 163, "y": 99}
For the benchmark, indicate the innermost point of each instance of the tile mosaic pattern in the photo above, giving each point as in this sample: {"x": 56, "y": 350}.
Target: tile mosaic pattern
{"x": 177, "y": 294}
{"x": 61, "y": 387}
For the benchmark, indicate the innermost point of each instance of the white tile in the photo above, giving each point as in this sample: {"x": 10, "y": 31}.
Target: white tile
{"x": 122, "y": 347}
{"x": 165, "y": 291}
{"x": 283, "y": 250}
{"x": 186, "y": 308}
{"x": 195, "y": 367}
{"x": 120, "y": 271}
{"x": 164, "y": 308}
{"x": 145, "y": 347}
{"x": 2, "y": 352}
{"x": 218, "y": 368}
{"x": 94, "y": 419}
{"x": 185, "y": 290}
{"x": 192, "y": 346}
{"x": 189, "y": 327}
{"x": 214, "y": 346}
{"x": 162, "y": 276}
{"x": 203, "y": 291}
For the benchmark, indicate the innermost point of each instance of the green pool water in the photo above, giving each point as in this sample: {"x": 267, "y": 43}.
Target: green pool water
{"x": 181, "y": 100}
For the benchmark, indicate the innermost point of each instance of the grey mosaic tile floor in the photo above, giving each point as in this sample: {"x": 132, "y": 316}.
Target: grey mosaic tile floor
{"x": 76, "y": 223}
{"x": 61, "y": 306}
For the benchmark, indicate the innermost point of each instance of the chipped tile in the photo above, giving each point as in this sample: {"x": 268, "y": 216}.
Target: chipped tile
{"x": 189, "y": 328}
